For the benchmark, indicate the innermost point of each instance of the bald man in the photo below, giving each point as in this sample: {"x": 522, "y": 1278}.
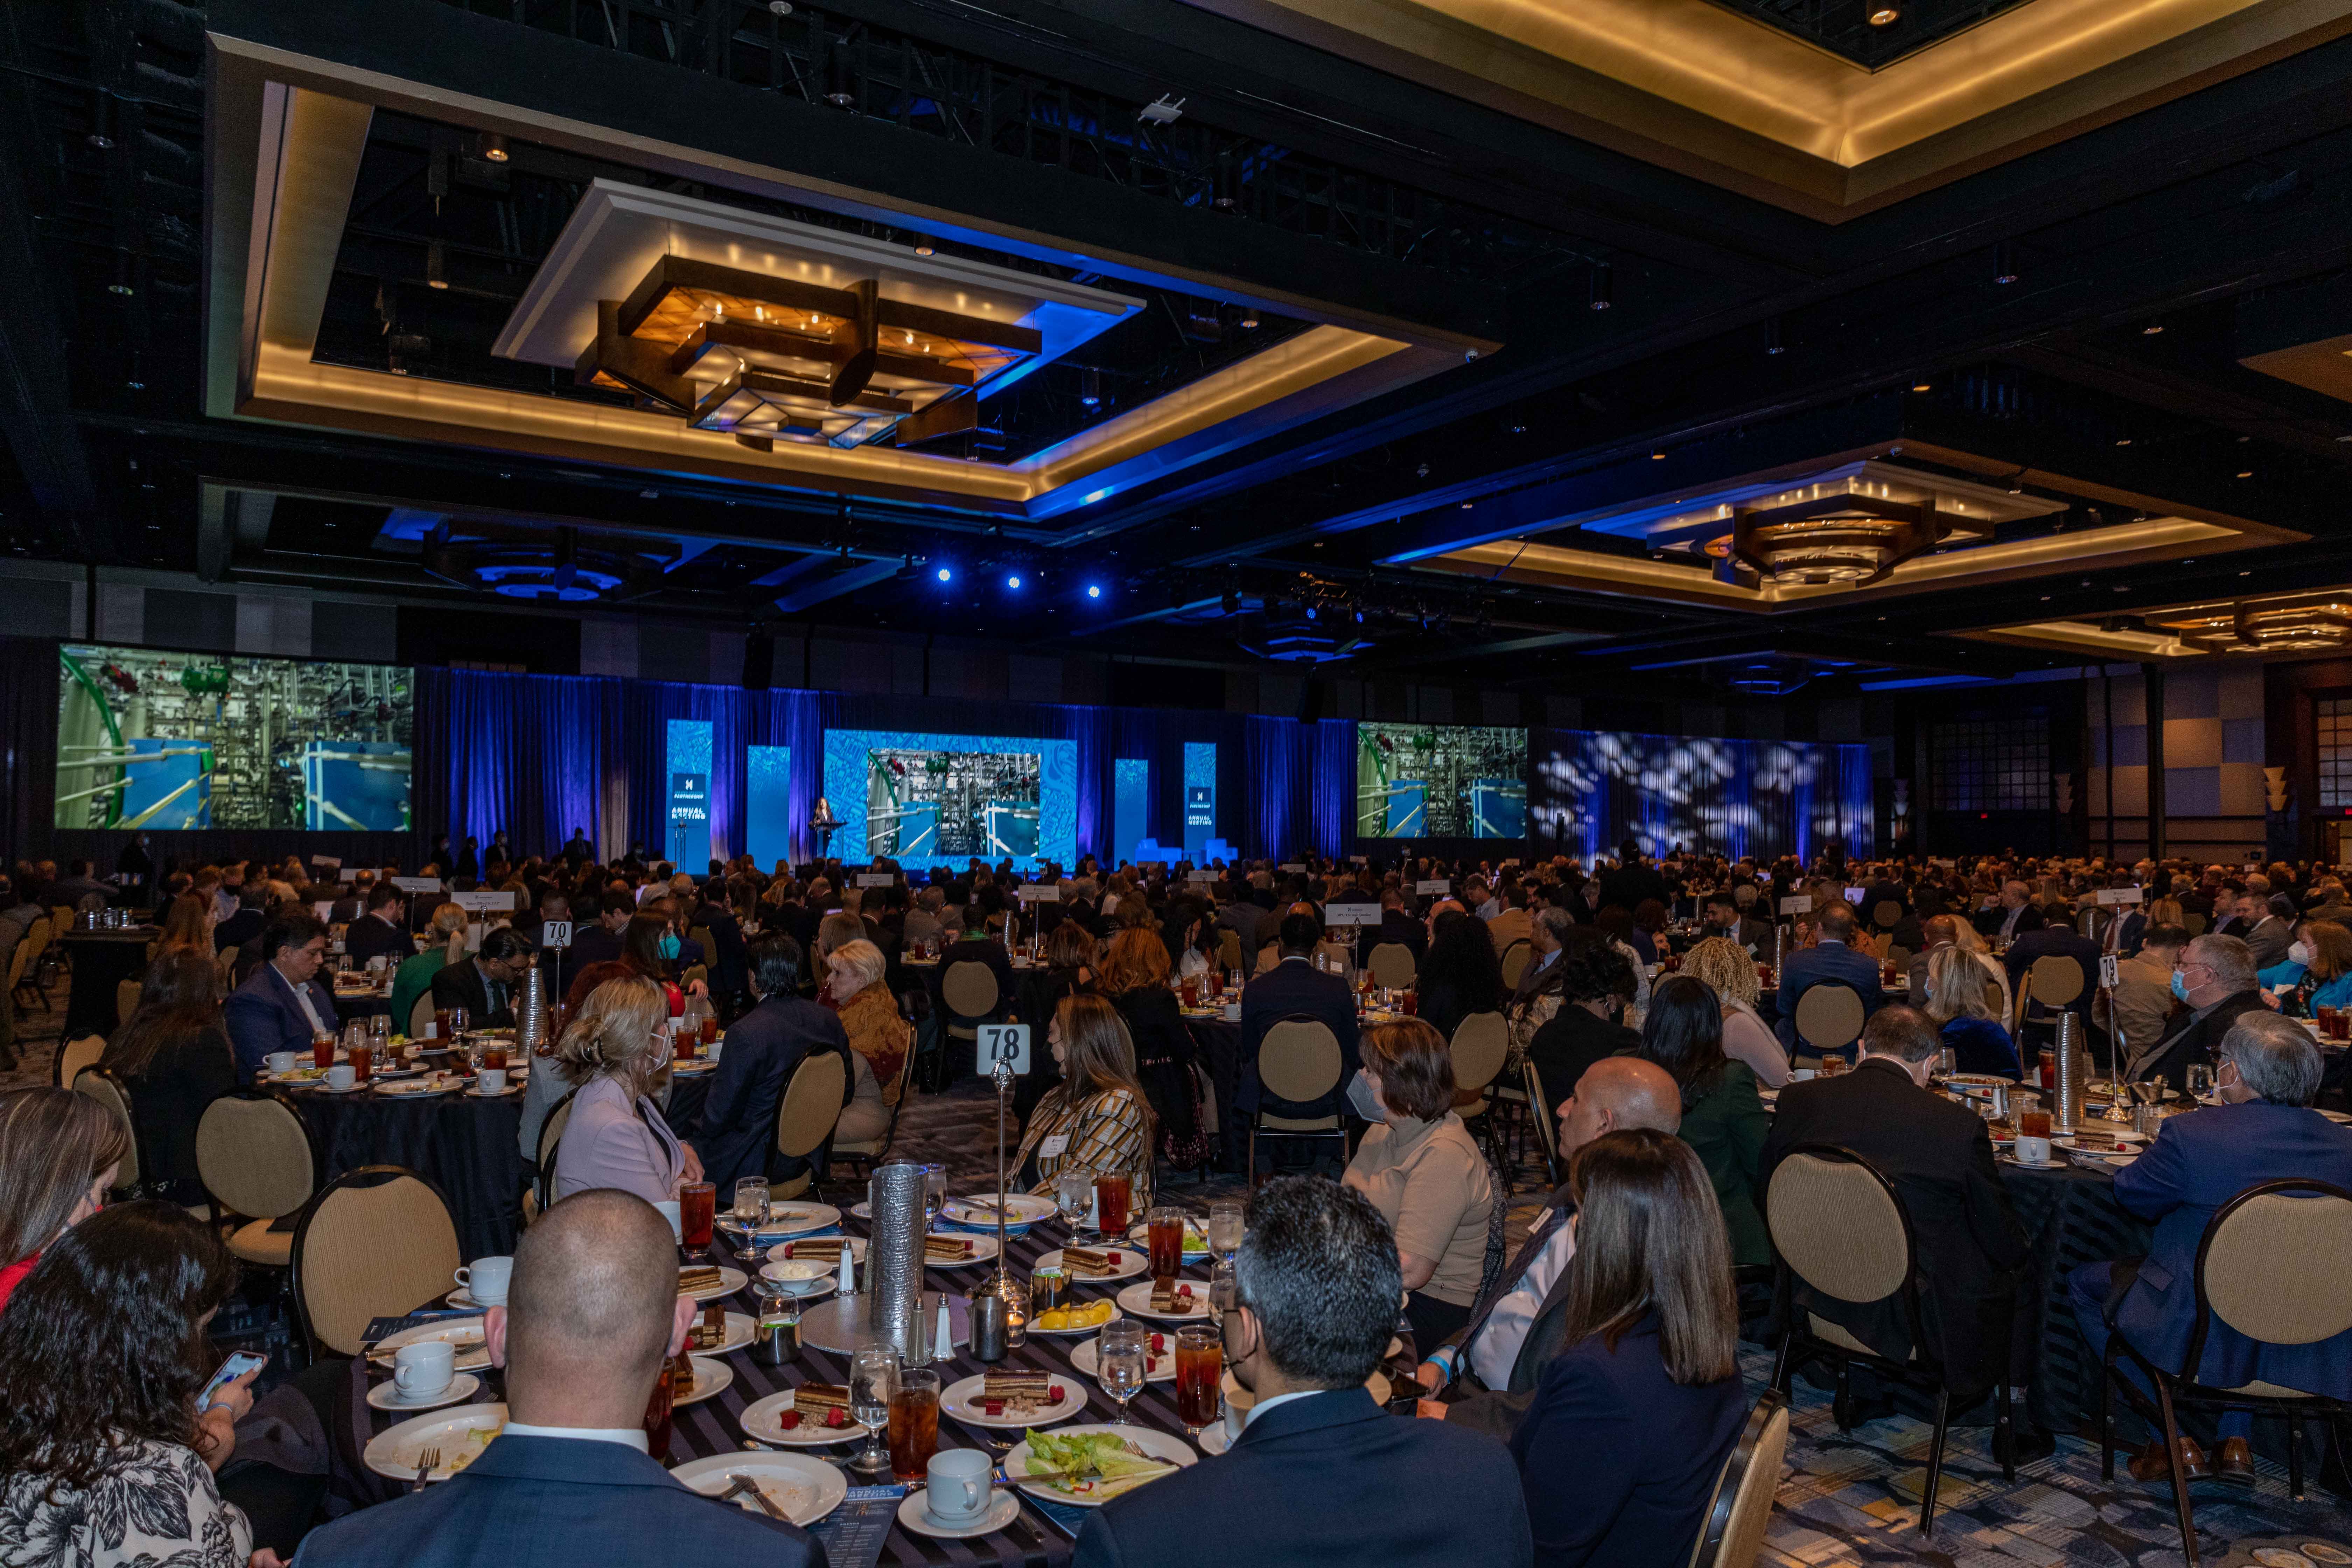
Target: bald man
{"x": 591, "y": 1314}
{"x": 1490, "y": 1368}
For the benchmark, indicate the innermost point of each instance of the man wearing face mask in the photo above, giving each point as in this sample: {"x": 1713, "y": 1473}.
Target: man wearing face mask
{"x": 1316, "y": 1476}
{"x": 2215, "y": 979}
{"x": 1487, "y": 1371}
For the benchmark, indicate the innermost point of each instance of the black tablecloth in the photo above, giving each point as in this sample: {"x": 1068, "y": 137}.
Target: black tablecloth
{"x": 713, "y": 1427}
{"x": 1220, "y": 1044}
{"x": 2071, "y": 1214}
{"x": 102, "y": 959}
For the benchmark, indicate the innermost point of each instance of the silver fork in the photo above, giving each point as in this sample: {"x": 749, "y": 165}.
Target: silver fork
{"x": 426, "y": 1463}
{"x": 744, "y": 1483}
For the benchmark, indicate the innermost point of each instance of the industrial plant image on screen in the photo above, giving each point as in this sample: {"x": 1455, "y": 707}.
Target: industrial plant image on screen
{"x": 952, "y": 803}
{"x": 1440, "y": 781}
{"x": 167, "y": 741}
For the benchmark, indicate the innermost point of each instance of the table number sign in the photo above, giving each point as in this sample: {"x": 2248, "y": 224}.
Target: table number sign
{"x": 1039, "y": 892}
{"x": 876, "y": 879}
{"x": 484, "y": 902}
{"x": 1351, "y": 914}
{"x": 1797, "y": 904}
{"x": 2119, "y": 895}
{"x": 417, "y": 884}
{"x": 1438, "y": 885}
{"x": 2110, "y": 975}
{"x": 1006, "y": 1042}
{"x": 555, "y": 933}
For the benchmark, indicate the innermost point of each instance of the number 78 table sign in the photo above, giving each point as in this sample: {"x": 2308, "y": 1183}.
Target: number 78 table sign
{"x": 1005, "y": 1043}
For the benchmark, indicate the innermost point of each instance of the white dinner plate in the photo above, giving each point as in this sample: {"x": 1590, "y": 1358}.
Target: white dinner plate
{"x": 322, "y": 1087}
{"x": 386, "y": 1395}
{"x": 1132, "y": 1261}
{"x": 738, "y": 1334}
{"x": 914, "y": 1515}
{"x": 1158, "y": 1445}
{"x": 2129, "y": 1142}
{"x": 464, "y": 1333}
{"x": 418, "y": 1088}
{"x": 1020, "y": 1209}
{"x": 1141, "y": 1236}
{"x": 983, "y": 1248}
{"x": 729, "y": 1281}
{"x": 1137, "y": 1299}
{"x": 759, "y": 1420}
{"x": 806, "y": 1490}
{"x": 461, "y": 1436}
{"x": 962, "y": 1400}
{"x": 1160, "y": 1366}
{"x": 712, "y": 1376}
{"x": 788, "y": 1219}
{"x": 777, "y": 1253}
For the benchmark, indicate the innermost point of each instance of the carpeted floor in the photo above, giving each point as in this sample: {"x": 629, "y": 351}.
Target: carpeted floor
{"x": 1844, "y": 1497}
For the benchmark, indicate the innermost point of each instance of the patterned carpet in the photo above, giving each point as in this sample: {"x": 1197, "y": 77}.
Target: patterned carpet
{"x": 1844, "y": 1497}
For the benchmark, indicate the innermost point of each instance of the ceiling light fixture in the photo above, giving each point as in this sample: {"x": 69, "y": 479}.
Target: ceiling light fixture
{"x": 436, "y": 266}
{"x": 494, "y": 148}
{"x": 1659, "y": 455}
{"x": 1922, "y": 386}
{"x": 2004, "y": 262}
{"x": 925, "y": 250}
{"x": 1603, "y": 286}
{"x": 1885, "y": 15}
{"x": 2151, "y": 330}
{"x": 1844, "y": 538}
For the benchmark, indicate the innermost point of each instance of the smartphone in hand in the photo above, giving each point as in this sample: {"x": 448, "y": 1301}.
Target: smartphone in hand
{"x": 236, "y": 1366}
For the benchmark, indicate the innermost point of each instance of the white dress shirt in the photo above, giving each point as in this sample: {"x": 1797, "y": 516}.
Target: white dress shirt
{"x": 627, "y": 1437}
{"x": 302, "y": 997}
{"x": 1263, "y": 1405}
{"x": 1496, "y": 1349}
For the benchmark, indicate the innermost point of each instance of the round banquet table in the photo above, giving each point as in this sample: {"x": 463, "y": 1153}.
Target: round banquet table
{"x": 469, "y": 1148}
{"x": 713, "y": 1426}
{"x": 365, "y": 1003}
{"x": 2071, "y": 1217}
{"x": 101, "y": 961}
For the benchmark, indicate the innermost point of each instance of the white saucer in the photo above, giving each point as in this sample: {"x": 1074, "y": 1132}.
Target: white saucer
{"x": 1212, "y": 1438}
{"x": 463, "y": 1301}
{"x": 386, "y": 1395}
{"x": 915, "y": 1516}
{"x": 325, "y": 1088}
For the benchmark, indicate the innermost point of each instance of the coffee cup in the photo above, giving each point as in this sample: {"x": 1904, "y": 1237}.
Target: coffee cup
{"x": 280, "y": 1061}
{"x": 484, "y": 1279}
{"x": 958, "y": 1485}
{"x": 342, "y": 1075}
{"x": 421, "y": 1371}
{"x": 491, "y": 1080}
{"x": 1800, "y": 1074}
{"x": 669, "y": 1212}
{"x": 1238, "y": 1401}
{"x": 712, "y": 1049}
{"x": 2034, "y": 1150}
{"x": 429, "y": 1031}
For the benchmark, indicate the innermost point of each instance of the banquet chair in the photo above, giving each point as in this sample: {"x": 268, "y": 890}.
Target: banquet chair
{"x": 76, "y": 1054}
{"x": 811, "y": 1104}
{"x": 1515, "y": 963}
{"x": 255, "y": 1157}
{"x": 968, "y": 992}
{"x": 551, "y": 1135}
{"x": 2021, "y": 1004}
{"x": 96, "y": 1083}
{"x": 1392, "y": 965}
{"x": 126, "y": 1000}
{"x": 1887, "y": 914}
{"x": 1538, "y": 1113}
{"x": 1733, "y": 1533}
{"x": 1229, "y": 950}
{"x": 1840, "y": 1227}
{"x": 871, "y": 1152}
{"x": 375, "y": 1242}
{"x": 1298, "y": 1061}
{"x": 420, "y": 1015}
{"x": 2275, "y": 1265}
{"x": 37, "y": 942}
{"x": 1900, "y": 957}
{"x": 2193, "y": 923}
{"x": 1829, "y": 1017}
{"x": 2057, "y": 981}
{"x": 1480, "y": 1048}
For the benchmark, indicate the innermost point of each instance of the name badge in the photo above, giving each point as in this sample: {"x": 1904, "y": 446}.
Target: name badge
{"x": 1052, "y": 1148}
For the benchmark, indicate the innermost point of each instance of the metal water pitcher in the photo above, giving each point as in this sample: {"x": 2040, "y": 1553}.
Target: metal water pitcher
{"x": 530, "y": 1011}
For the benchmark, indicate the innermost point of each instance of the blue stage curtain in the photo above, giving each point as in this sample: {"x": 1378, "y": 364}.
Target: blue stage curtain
{"x": 1332, "y": 796}
{"x": 523, "y": 753}
{"x": 1275, "y": 757}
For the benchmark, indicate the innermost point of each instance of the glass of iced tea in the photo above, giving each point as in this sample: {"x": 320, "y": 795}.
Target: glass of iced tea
{"x": 362, "y": 1059}
{"x": 1191, "y": 987}
{"x": 1200, "y": 1365}
{"x": 914, "y": 1423}
{"x": 697, "y": 1207}
{"x": 322, "y": 1050}
{"x": 494, "y": 1054}
{"x": 1411, "y": 1001}
{"x": 1164, "y": 1236}
{"x": 1113, "y": 1192}
{"x": 684, "y": 1037}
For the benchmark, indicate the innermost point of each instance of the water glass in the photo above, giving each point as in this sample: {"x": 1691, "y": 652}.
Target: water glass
{"x": 1226, "y": 1228}
{"x": 2201, "y": 1081}
{"x": 1947, "y": 1062}
{"x": 1120, "y": 1363}
{"x": 752, "y": 1202}
{"x": 1072, "y": 1188}
{"x": 1222, "y": 1290}
{"x": 873, "y": 1379}
{"x": 935, "y": 1193}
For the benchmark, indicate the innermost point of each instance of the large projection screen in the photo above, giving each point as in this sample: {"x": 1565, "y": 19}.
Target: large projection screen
{"x": 169, "y": 741}
{"x": 924, "y": 799}
{"x": 1440, "y": 781}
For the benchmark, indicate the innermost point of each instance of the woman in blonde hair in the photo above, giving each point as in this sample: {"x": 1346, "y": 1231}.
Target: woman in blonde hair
{"x": 1959, "y": 999}
{"x": 1097, "y": 1118}
{"x": 1968, "y": 939}
{"x": 616, "y": 1137}
{"x": 879, "y": 1038}
{"x": 1727, "y": 969}
{"x": 444, "y": 944}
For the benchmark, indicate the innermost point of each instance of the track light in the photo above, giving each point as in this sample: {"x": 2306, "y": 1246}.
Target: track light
{"x": 1603, "y": 286}
{"x": 2004, "y": 262}
{"x": 925, "y": 250}
{"x": 1090, "y": 387}
{"x": 436, "y": 267}
{"x": 494, "y": 148}
{"x": 1012, "y": 580}
{"x": 1772, "y": 344}
{"x": 1885, "y": 15}
{"x": 944, "y": 575}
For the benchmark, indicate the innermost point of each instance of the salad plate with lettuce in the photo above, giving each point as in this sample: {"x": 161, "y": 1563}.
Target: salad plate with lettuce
{"x": 1088, "y": 1466}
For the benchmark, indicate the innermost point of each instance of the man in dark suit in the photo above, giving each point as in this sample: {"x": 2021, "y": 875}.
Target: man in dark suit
{"x": 1830, "y": 959}
{"x": 485, "y": 984}
{"x": 1939, "y": 1158}
{"x": 597, "y": 926}
{"x": 1295, "y": 986}
{"x": 1314, "y": 1479}
{"x": 591, "y": 1312}
{"x": 2217, "y": 979}
{"x": 2264, "y": 1130}
{"x": 1632, "y": 881}
{"x": 1397, "y": 925}
{"x": 578, "y": 852}
{"x": 245, "y": 923}
{"x": 2015, "y": 914}
{"x": 763, "y": 1046}
{"x": 2262, "y": 929}
{"x": 380, "y": 931}
{"x": 280, "y": 1007}
{"x": 1488, "y": 1370}
{"x": 727, "y": 959}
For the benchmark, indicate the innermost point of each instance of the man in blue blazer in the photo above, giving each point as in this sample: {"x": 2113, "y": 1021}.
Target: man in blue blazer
{"x": 280, "y": 1007}
{"x": 1294, "y": 986}
{"x": 1320, "y": 1476}
{"x": 2264, "y": 1130}
{"x": 591, "y": 1312}
{"x": 1832, "y": 958}
{"x": 738, "y": 1136}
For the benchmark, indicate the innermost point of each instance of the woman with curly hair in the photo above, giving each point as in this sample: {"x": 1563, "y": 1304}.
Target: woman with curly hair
{"x": 107, "y": 1462}
{"x": 1727, "y": 971}
{"x": 1135, "y": 979}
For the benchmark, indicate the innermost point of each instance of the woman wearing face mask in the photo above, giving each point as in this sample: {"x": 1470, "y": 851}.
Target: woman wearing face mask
{"x": 1423, "y": 1171}
{"x": 1096, "y": 1118}
{"x": 642, "y": 945}
{"x": 2318, "y": 972}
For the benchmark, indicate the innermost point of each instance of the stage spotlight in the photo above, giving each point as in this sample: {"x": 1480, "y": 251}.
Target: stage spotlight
{"x": 1012, "y": 580}
{"x": 1091, "y": 388}
{"x": 945, "y": 576}
{"x": 1094, "y": 589}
